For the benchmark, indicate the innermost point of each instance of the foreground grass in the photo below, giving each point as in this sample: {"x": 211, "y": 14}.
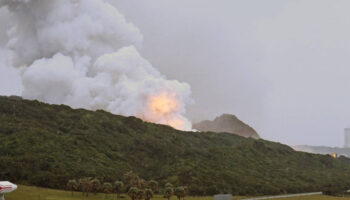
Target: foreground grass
{"x": 36, "y": 193}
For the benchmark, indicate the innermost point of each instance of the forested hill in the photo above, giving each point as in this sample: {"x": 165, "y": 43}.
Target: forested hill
{"x": 45, "y": 145}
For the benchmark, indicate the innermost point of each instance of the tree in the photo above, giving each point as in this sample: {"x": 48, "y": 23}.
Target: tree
{"x": 107, "y": 188}
{"x": 133, "y": 193}
{"x": 168, "y": 192}
{"x": 148, "y": 194}
{"x": 153, "y": 185}
{"x": 132, "y": 180}
{"x": 85, "y": 185}
{"x": 142, "y": 183}
{"x": 72, "y": 185}
{"x": 185, "y": 192}
{"x": 140, "y": 194}
{"x": 96, "y": 185}
{"x": 169, "y": 185}
{"x": 180, "y": 192}
{"x": 118, "y": 188}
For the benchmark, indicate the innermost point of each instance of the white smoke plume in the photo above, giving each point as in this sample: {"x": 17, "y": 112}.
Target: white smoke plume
{"x": 83, "y": 53}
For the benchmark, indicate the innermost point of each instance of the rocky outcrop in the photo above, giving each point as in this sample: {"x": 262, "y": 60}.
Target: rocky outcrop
{"x": 229, "y": 124}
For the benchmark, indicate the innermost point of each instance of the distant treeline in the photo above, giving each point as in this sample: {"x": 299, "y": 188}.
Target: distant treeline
{"x": 47, "y": 145}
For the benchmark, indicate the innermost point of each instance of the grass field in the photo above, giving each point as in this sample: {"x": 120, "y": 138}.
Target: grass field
{"x": 36, "y": 193}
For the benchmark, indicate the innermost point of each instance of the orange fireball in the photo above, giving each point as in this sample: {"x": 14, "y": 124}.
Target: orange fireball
{"x": 164, "y": 108}
{"x": 163, "y": 104}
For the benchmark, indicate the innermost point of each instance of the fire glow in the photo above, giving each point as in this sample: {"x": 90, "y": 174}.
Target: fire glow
{"x": 163, "y": 104}
{"x": 164, "y": 108}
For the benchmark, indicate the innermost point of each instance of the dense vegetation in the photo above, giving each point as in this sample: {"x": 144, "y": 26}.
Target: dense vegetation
{"x": 47, "y": 145}
{"x": 136, "y": 187}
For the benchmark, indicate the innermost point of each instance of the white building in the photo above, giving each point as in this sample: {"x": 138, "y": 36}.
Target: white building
{"x": 347, "y": 138}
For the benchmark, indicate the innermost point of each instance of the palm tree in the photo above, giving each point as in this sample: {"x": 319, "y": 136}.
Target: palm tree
{"x": 168, "y": 192}
{"x": 133, "y": 193}
{"x": 142, "y": 183}
{"x": 80, "y": 186}
{"x": 148, "y": 194}
{"x": 85, "y": 185}
{"x": 180, "y": 192}
{"x": 96, "y": 185}
{"x": 118, "y": 188}
{"x": 185, "y": 192}
{"x": 72, "y": 185}
{"x": 107, "y": 188}
{"x": 169, "y": 185}
{"x": 153, "y": 185}
{"x": 140, "y": 194}
{"x": 132, "y": 180}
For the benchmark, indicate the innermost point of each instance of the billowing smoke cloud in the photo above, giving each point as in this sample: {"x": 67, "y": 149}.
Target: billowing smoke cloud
{"x": 83, "y": 53}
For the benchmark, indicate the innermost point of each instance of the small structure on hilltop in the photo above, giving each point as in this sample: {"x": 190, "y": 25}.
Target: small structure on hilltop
{"x": 347, "y": 138}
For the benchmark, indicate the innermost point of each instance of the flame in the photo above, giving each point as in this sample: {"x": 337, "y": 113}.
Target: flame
{"x": 164, "y": 108}
{"x": 177, "y": 123}
{"x": 163, "y": 104}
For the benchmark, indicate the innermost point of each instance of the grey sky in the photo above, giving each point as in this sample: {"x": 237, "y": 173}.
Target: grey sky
{"x": 281, "y": 66}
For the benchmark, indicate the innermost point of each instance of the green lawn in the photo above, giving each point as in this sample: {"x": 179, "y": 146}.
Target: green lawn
{"x": 36, "y": 193}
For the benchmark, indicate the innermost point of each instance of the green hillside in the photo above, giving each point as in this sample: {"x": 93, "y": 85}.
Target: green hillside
{"x": 46, "y": 145}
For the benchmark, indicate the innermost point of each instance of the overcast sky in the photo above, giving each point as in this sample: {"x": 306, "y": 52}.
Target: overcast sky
{"x": 281, "y": 66}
